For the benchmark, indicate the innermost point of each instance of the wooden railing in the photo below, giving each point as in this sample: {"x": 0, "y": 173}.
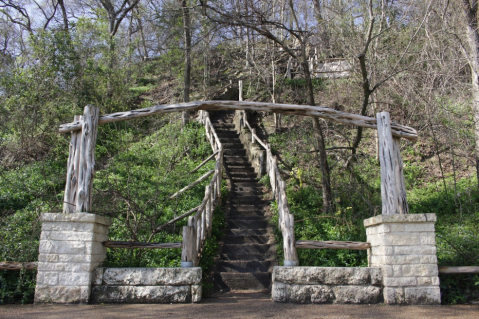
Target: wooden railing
{"x": 200, "y": 225}
{"x": 278, "y": 186}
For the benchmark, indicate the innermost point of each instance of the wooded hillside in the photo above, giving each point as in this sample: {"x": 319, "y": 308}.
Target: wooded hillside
{"x": 417, "y": 60}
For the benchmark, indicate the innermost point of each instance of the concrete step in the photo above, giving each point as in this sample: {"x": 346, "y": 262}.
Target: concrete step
{"x": 226, "y": 281}
{"x": 232, "y": 266}
{"x": 234, "y": 169}
{"x": 238, "y": 256}
{"x": 247, "y": 224}
{"x": 249, "y": 239}
{"x": 227, "y": 134}
{"x": 245, "y": 249}
{"x": 223, "y": 126}
{"x": 237, "y": 152}
{"x": 249, "y": 232}
{"x": 235, "y": 146}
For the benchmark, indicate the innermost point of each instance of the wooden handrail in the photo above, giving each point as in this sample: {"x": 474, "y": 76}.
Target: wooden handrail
{"x": 14, "y": 265}
{"x": 294, "y": 109}
{"x": 135, "y": 244}
{"x": 459, "y": 270}
{"x": 315, "y": 244}
{"x": 199, "y": 180}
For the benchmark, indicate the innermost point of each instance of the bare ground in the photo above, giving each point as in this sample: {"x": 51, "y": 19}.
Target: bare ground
{"x": 237, "y": 305}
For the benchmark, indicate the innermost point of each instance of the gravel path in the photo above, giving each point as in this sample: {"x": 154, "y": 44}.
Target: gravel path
{"x": 237, "y": 305}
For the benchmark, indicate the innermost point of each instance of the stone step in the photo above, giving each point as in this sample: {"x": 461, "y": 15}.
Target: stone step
{"x": 249, "y": 239}
{"x": 227, "y": 134}
{"x": 244, "y": 207}
{"x": 234, "y": 169}
{"x": 243, "y": 174}
{"x": 237, "y": 152}
{"x": 252, "y": 266}
{"x": 246, "y": 224}
{"x": 230, "y": 146}
{"x": 244, "y": 187}
{"x": 243, "y": 216}
{"x": 249, "y": 232}
{"x": 245, "y": 249}
{"x": 226, "y": 281}
{"x": 223, "y": 126}
{"x": 224, "y": 140}
{"x": 239, "y": 256}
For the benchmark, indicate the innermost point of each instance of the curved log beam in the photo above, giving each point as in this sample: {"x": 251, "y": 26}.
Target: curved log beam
{"x": 134, "y": 244}
{"x": 13, "y": 265}
{"x": 303, "y": 110}
{"x": 315, "y": 244}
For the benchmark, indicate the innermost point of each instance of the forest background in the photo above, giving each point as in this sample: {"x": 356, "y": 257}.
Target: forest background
{"x": 418, "y": 60}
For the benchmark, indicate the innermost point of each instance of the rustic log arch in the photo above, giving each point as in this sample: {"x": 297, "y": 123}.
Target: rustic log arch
{"x": 397, "y": 130}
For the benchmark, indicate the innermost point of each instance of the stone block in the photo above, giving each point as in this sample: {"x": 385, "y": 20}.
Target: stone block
{"x": 61, "y": 247}
{"x": 399, "y": 281}
{"x": 196, "y": 293}
{"x": 376, "y": 276}
{"x": 429, "y": 259}
{"x": 420, "y": 270}
{"x": 415, "y": 250}
{"x": 61, "y": 294}
{"x": 310, "y": 293}
{"x": 279, "y": 292}
{"x": 357, "y": 294}
{"x": 422, "y": 295}
{"x": 393, "y": 295}
{"x": 428, "y": 239}
{"x": 419, "y": 227}
{"x": 322, "y": 275}
{"x": 401, "y": 260}
{"x": 382, "y": 250}
{"x": 141, "y": 294}
{"x": 399, "y": 239}
{"x": 76, "y": 217}
{"x": 152, "y": 276}
{"x": 97, "y": 277}
{"x": 74, "y": 278}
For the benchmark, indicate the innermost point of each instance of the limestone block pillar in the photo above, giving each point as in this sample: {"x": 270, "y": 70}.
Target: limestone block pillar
{"x": 70, "y": 250}
{"x": 404, "y": 247}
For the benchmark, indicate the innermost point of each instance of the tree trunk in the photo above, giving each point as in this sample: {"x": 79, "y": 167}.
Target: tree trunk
{"x": 318, "y": 133}
{"x": 470, "y": 11}
{"x": 187, "y": 38}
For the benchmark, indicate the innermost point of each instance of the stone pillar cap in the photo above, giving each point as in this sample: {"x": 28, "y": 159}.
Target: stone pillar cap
{"x": 76, "y": 218}
{"x": 399, "y": 218}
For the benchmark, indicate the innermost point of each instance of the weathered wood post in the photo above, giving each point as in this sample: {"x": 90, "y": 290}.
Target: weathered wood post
{"x": 188, "y": 251}
{"x": 402, "y": 245}
{"x": 209, "y": 211}
{"x": 393, "y": 190}
{"x": 87, "y": 158}
{"x": 287, "y": 227}
{"x": 69, "y": 198}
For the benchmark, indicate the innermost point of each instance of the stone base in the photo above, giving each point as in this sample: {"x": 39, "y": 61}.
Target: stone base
{"x": 147, "y": 285}
{"x": 70, "y": 249}
{"x": 404, "y": 247}
{"x": 327, "y": 285}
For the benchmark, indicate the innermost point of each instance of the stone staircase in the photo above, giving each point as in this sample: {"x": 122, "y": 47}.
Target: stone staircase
{"x": 248, "y": 251}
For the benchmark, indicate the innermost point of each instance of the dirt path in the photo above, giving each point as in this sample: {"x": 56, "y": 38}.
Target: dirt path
{"x": 237, "y": 306}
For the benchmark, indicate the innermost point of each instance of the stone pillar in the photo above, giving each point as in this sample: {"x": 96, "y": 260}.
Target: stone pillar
{"x": 70, "y": 250}
{"x": 404, "y": 247}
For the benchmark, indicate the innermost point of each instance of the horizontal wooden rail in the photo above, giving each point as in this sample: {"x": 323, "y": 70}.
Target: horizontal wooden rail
{"x": 294, "y": 109}
{"x": 314, "y": 244}
{"x": 174, "y": 220}
{"x": 199, "y": 180}
{"x": 14, "y": 265}
{"x": 459, "y": 269}
{"x": 135, "y": 244}
{"x": 204, "y": 162}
